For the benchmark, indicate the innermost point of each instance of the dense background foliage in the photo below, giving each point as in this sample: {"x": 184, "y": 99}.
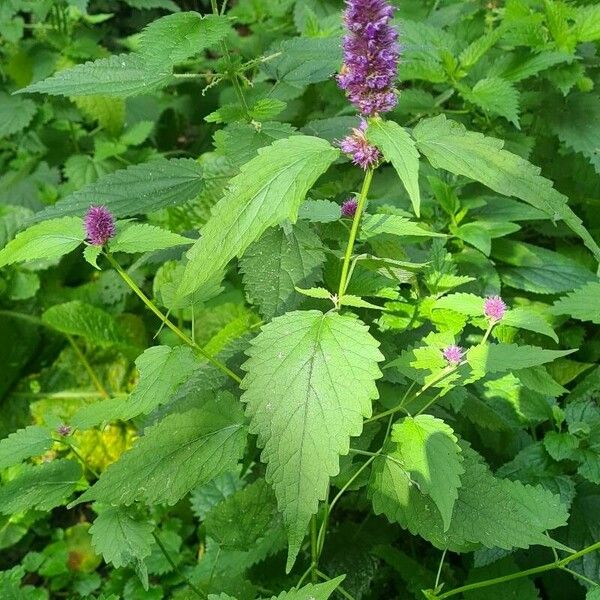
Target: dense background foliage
{"x": 161, "y": 128}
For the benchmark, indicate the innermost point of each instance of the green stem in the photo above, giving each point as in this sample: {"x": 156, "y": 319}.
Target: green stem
{"x": 488, "y": 331}
{"x": 80, "y": 457}
{"x": 176, "y": 567}
{"x": 183, "y": 336}
{"x": 314, "y": 550}
{"x": 557, "y": 564}
{"x": 354, "y": 231}
{"x": 86, "y": 365}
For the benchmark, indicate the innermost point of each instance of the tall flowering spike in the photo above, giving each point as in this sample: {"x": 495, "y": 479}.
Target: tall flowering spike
{"x": 494, "y": 308}
{"x": 358, "y": 148}
{"x": 453, "y": 354}
{"x": 99, "y": 225}
{"x": 371, "y": 54}
{"x": 349, "y": 207}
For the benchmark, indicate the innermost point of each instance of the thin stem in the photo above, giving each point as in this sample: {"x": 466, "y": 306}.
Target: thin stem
{"x": 314, "y": 549}
{"x": 488, "y": 331}
{"x": 183, "y": 336}
{"x": 580, "y": 576}
{"x": 22, "y": 317}
{"x": 304, "y": 576}
{"x": 560, "y": 564}
{"x": 176, "y": 567}
{"x": 422, "y": 410}
{"x": 88, "y": 367}
{"x": 439, "y": 571}
{"x": 354, "y": 231}
{"x": 80, "y": 457}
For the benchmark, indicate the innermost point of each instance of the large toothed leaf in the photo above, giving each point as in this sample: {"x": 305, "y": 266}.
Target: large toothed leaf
{"x": 31, "y": 441}
{"x": 399, "y": 148}
{"x": 448, "y": 145}
{"x": 309, "y": 384}
{"x": 582, "y": 304}
{"x": 142, "y": 237}
{"x": 268, "y": 191}
{"x": 181, "y": 452}
{"x": 136, "y": 190}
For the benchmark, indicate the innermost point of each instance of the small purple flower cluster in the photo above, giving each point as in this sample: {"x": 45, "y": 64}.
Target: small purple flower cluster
{"x": 349, "y": 207}
{"x": 356, "y": 145}
{"x": 99, "y": 225}
{"x": 371, "y": 54}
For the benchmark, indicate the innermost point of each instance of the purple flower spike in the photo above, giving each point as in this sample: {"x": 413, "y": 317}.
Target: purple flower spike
{"x": 349, "y": 207}
{"x": 371, "y": 54}
{"x": 494, "y": 308}
{"x": 99, "y": 225}
{"x": 453, "y": 354}
{"x": 64, "y": 430}
{"x": 358, "y": 148}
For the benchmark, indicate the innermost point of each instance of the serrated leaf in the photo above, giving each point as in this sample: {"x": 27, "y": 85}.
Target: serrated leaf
{"x": 206, "y": 496}
{"x": 24, "y": 443}
{"x": 309, "y": 383}
{"x": 41, "y": 487}
{"x": 373, "y": 225}
{"x": 522, "y": 317}
{"x": 139, "y": 189}
{"x": 497, "y": 96}
{"x": 181, "y": 452}
{"x": 465, "y": 304}
{"x": 399, "y": 148}
{"x": 582, "y": 304}
{"x": 522, "y": 68}
{"x": 282, "y": 259}
{"x": 149, "y": 4}
{"x": 120, "y": 537}
{"x": 268, "y": 191}
{"x": 49, "y": 240}
{"x": 319, "y": 591}
{"x": 428, "y": 451}
{"x": 120, "y": 75}
{"x": 489, "y": 511}
{"x": 560, "y": 446}
{"x": 142, "y": 237}
{"x": 471, "y": 55}
{"x": 448, "y": 145}
{"x": 15, "y": 114}
{"x": 319, "y": 211}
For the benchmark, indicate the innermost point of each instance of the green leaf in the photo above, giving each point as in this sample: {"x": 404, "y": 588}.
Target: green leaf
{"x": 319, "y": 591}
{"x": 15, "y": 114}
{"x": 243, "y": 518}
{"x": 24, "y": 443}
{"x": 465, "y": 304}
{"x": 142, "y": 237}
{"x": 398, "y": 147}
{"x": 282, "y": 259}
{"x": 49, "y": 240}
{"x": 560, "y": 446}
{"x": 587, "y": 23}
{"x": 108, "y": 111}
{"x": 121, "y": 537}
{"x": 319, "y": 211}
{"x": 138, "y": 189}
{"x": 181, "y": 452}
{"x": 268, "y": 190}
{"x": 315, "y": 292}
{"x": 518, "y": 589}
{"x": 448, "y": 145}
{"x": 428, "y": 451}
{"x": 177, "y": 37}
{"x": 581, "y": 304}
{"x": 529, "y": 319}
{"x": 149, "y": 4}
{"x": 523, "y": 68}
{"x": 496, "y": 96}
{"x": 206, "y": 496}
{"x": 119, "y": 75}
{"x": 310, "y": 381}
{"x": 90, "y": 322}
{"x": 373, "y": 225}
{"x": 41, "y": 487}
{"x": 489, "y": 511}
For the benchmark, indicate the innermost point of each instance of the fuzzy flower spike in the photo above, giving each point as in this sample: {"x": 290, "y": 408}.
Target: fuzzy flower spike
{"x": 453, "y": 354}
{"x": 99, "y": 225}
{"x": 494, "y": 308}
{"x": 371, "y": 54}
{"x": 349, "y": 207}
{"x": 358, "y": 148}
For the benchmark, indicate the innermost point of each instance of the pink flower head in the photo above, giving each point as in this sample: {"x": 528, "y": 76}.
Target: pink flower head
{"x": 349, "y": 207}
{"x": 453, "y": 354}
{"x": 371, "y": 54}
{"x": 494, "y": 308}
{"x": 64, "y": 430}
{"x": 358, "y": 148}
{"x": 99, "y": 225}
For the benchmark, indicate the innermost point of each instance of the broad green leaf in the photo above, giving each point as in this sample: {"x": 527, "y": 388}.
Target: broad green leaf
{"x": 175, "y": 38}
{"x": 97, "y": 413}
{"x": 522, "y": 68}
{"x": 90, "y": 322}
{"x": 24, "y": 443}
{"x": 310, "y": 381}
{"x": 587, "y": 23}
{"x": 582, "y": 304}
{"x": 15, "y": 114}
{"x": 268, "y": 191}
{"x": 139, "y": 189}
{"x": 471, "y": 55}
{"x": 121, "y": 537}
{"x": 529, "y": 319}
{"x": 181, "y": 452}
{"x": 119, "y": 75}
{"x": 49, "y": 240}
{"x": 142, "y": 237}
{"x": 449, "y": 146}
{"x": 206, "y": 496}
{"x": 496, "y": 96}
{"x": 282, "y": 259}
{"x": 465, "y": 304}
{"x": 320, "y": 211}
{"x": 398, "y": 147}
{"x": 428, "y": 451}
{"x": 560, "y": 445}
{"x": 243, "y": 518}
{"x": 373, "y": 225}
{"x": 41, "y": 487}
{"x": 319, "y": 591}
{"x": 489, "y": 511}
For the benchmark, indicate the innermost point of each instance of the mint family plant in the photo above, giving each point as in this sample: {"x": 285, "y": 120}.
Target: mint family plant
{"x": 325, "y": 354}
